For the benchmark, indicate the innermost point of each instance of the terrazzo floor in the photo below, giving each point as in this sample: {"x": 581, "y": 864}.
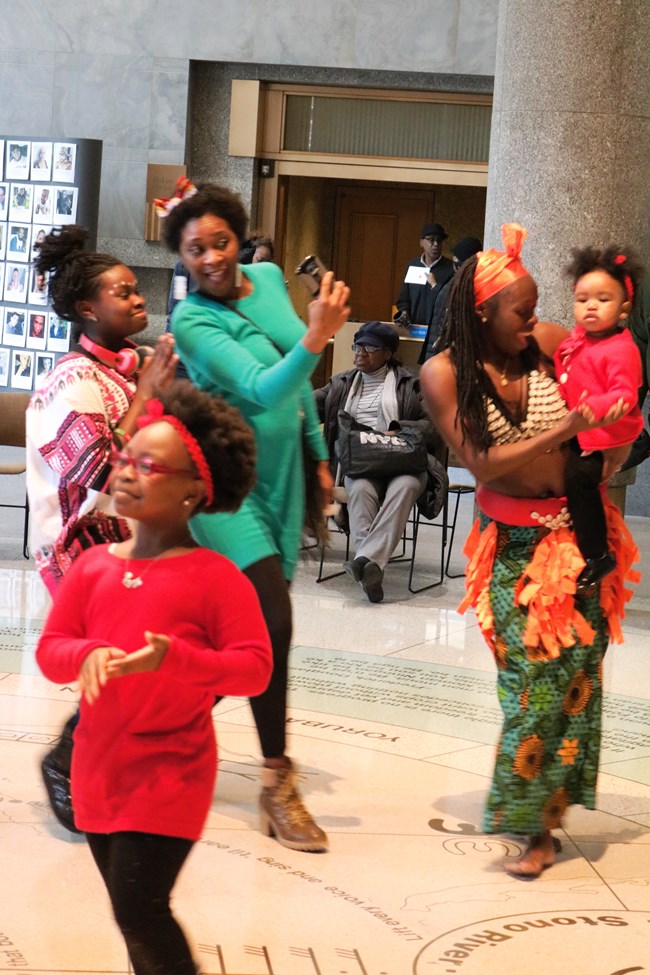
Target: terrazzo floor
{"x": 393, "y": 719}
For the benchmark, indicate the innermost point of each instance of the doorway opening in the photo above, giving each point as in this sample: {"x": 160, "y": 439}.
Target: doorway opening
{"x": 366, "y": 231}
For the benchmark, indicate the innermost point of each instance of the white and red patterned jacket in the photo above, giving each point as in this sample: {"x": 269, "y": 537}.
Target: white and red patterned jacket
{"x": 70, "y": 428}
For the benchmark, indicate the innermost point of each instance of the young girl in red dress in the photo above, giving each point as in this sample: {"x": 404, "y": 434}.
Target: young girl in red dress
{"x": 153, "y": 628}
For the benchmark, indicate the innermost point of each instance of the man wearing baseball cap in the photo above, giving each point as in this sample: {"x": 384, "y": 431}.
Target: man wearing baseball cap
{"x": 423, "y": 278}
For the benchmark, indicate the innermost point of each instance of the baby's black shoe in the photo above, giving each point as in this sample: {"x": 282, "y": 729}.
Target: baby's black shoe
{"x": 594, "y": 571}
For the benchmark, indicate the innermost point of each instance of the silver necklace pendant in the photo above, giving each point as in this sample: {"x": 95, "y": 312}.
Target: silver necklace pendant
{"x": 130, "y": 581}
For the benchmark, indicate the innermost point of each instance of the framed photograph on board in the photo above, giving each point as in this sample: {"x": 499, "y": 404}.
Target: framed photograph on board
{"x": 5, "y": 357}
{"x": 63, "y": 162}
{"x": 15, "y": 282}
{"x": 2, "y": 158}
{"x": 20, "y": 201}
{"x": 58, "y": 335}
{"x": 22, "y": 369}
{"x": 18, "y": 241}
{"x": 44, "y": 365}
{"x": 14, "y": 327}
{"x": 39, "y": 233}
{"x": 65, "y": 205}
{"x": 3, "y": 240}
{"x": 37, "y": 287}
{"x": 43, "y": 203}
{"x": 37, "y": 330}
{"x": 41, "y": 160}
{"x": 4, "y": 201}
{"x": 17, "y": 155}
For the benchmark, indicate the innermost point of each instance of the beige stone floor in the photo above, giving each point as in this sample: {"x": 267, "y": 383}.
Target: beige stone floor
{"x": 393, "y": 718}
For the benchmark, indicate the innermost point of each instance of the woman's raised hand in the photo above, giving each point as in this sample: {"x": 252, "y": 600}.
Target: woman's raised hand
{"x": 327, "y": 313}
{"x": 158, "y": 369}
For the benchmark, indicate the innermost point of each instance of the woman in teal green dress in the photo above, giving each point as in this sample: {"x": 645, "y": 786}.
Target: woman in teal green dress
{"x": 239, "y": 337}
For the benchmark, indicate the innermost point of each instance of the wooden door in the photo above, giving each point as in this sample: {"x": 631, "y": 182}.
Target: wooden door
{"x": 377, "y": 231}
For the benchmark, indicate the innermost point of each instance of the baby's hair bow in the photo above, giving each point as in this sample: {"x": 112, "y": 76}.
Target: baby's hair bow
{"x": 627, "y": 280}
{"x": 184, "y": 189}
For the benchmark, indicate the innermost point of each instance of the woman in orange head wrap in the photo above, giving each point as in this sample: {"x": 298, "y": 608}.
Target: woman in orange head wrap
{"x": 493, "y": 396}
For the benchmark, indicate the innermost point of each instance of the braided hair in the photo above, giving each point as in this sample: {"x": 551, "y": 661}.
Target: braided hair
{"x": 464, "y": 336}
{"x": 74, "y": 272}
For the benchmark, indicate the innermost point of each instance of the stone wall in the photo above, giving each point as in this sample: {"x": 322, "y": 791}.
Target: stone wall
{"x": 120, "y": 72}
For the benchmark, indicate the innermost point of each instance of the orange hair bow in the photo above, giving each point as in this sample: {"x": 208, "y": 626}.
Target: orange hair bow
{"x": 184, "y": 189}
{"x": 495, "y": 270}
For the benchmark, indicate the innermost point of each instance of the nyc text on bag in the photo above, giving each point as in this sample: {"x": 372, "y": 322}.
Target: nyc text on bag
{"x": 364, "y": 452}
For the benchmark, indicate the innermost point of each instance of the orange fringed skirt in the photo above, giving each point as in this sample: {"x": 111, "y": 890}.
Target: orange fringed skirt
{"x": 546, "y": 587}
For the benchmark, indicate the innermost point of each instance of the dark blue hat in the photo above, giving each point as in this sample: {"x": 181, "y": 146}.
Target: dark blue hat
{"x": 434, "y": 230}
{"x": 380, "y": 334}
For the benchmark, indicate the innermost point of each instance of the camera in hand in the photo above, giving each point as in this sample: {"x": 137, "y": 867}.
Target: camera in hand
{"x": 311, "y": 271}
{"x": 403, "y": 320}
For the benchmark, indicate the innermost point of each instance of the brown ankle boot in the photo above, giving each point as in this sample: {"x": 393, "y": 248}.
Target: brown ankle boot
{"x": 283, "y": 815}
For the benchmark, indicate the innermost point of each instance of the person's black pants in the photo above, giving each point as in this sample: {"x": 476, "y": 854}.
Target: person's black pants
{"x": 270, "y": 708}
{"x": 139, "y": 870}
{"x": 583, "y": 476}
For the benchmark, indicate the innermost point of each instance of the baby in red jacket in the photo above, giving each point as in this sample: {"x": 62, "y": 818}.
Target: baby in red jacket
{"x": 599, "y": 367}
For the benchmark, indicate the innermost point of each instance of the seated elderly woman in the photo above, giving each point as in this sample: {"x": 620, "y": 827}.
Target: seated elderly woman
{"x": 382, "y": 394}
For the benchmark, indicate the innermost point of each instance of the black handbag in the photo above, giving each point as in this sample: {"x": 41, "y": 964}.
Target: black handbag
{"x": 55, "y": 769}
{"x": 363, "y": 452}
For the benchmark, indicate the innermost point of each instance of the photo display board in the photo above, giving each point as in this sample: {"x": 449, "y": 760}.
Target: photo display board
{"x": 44, "y": 183}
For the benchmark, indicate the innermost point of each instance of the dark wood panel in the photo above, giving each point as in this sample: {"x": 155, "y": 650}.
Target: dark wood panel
{"x": 376, "y": 234}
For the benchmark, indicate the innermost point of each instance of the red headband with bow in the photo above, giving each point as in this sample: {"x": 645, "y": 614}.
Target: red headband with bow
{"x": 156, "y": 413}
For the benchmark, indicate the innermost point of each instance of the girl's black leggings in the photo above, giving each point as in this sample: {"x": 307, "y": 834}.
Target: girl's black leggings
{"x": 139, "y": 870}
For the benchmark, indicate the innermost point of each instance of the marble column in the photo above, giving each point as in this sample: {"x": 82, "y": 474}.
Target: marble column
{"x": 570, "y": 144}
